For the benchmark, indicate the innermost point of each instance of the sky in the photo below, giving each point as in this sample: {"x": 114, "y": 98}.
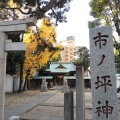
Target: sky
{"x": 77, "y": 24}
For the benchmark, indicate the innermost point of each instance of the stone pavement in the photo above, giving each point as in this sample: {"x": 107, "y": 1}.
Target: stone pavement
{"x": 53, "y": 108}
{"x": 49, "y": 106}
{"x": 22, "y": 108}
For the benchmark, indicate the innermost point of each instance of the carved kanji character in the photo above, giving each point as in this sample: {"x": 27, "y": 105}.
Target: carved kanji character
{"x": 104, "y": 83}
{"x": 104, "y": 109}
{"x": 103, "y": 56}
{"x": 100, "y": 39}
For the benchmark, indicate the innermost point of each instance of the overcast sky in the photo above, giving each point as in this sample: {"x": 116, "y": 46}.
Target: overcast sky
{"x": 77, "y": 24}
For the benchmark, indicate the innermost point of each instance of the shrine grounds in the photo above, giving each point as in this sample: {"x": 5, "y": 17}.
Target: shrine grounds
{"x": 36, "y": 105}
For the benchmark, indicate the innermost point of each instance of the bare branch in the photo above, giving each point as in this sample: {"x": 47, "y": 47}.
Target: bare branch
{"x": 38, "y": 5}
{"x": 49, "y": 5}
{"x": 38, "y": 12}
{"x": 26, "y": 13}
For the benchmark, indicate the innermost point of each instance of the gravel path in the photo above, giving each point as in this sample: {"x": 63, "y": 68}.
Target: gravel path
{"x": 15, "y": 99}
{"x": 19, "y": 103}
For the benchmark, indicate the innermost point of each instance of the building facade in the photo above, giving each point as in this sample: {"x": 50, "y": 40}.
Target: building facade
{"x": 67, "y": 55}
{"x": 57, "y": 72}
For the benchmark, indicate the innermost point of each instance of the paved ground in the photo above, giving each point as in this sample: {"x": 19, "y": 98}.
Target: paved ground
{"x": 18, "y": 104}
{"x": 36, "y": 105}
{"x": 55, "y": 108}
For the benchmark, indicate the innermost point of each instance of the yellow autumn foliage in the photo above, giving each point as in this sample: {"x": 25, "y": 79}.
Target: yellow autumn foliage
{"x": 47, "y": 32}
{"x": 35, "y": 59}
{"x": 12, "y": 4}
{"x": 116, "y": 52}
{"x": 31, "y": 44}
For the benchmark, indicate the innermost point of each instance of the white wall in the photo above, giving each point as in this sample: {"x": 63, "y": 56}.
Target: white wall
{"x": 9, "y": 83}
{"x": 16, "y": 80}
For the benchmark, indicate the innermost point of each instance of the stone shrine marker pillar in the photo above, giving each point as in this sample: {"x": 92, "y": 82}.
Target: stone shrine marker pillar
{"x": 103, "y": 79}
{"x": 8, "y": 27}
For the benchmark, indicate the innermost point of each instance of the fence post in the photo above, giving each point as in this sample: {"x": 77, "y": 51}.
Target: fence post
{"x": 80, "y": 95}
{"x": 68, "y": 106}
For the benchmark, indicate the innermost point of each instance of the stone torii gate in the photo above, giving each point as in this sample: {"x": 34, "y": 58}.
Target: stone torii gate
{"x": 10, "y": 27}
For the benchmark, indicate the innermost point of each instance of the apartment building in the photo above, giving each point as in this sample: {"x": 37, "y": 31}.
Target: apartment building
{"x": 67, "y": 55}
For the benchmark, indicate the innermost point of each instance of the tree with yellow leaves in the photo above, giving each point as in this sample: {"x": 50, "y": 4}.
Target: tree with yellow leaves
{"x": 40, "y": 48}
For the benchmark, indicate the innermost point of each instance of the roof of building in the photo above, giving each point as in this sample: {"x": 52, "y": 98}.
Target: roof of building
{"x": 58, "y": 67}
{"x": 43, "y": 77}
{"x": 70, "y": 77}
{"x": 74, "y": 77}
{"x": 65, "y": 77}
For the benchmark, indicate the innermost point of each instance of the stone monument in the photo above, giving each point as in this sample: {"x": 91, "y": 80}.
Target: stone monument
{"x": 10, "y": 27}
{"x": 44, "y": 86}
{"x": 103, "y": 79}
{"x": 65, "y": 87}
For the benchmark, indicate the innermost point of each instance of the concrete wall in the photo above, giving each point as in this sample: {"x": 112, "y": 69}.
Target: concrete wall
{"x": 10, "y": 82}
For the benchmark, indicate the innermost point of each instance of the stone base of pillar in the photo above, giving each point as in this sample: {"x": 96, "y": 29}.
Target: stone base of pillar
{"x": 43, "y": 88}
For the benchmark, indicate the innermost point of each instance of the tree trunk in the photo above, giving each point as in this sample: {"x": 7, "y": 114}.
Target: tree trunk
{"x": 28, "y": 84}
{"x": 21, "y": 77}
{"x": 25, "y": 85}
{"x": 13, "y": 84}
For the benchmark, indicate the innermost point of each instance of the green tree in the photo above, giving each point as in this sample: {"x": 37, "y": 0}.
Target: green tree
{"x": 82, "y": 54}
{"x": 55, "y": 8}
{"x": 106, "y": 12}
{"x": 94, "y": 23}
{"x": 117, "y": 56}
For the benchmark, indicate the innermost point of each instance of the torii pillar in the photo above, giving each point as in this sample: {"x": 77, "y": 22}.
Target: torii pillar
{"x": 10, "y": 27}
